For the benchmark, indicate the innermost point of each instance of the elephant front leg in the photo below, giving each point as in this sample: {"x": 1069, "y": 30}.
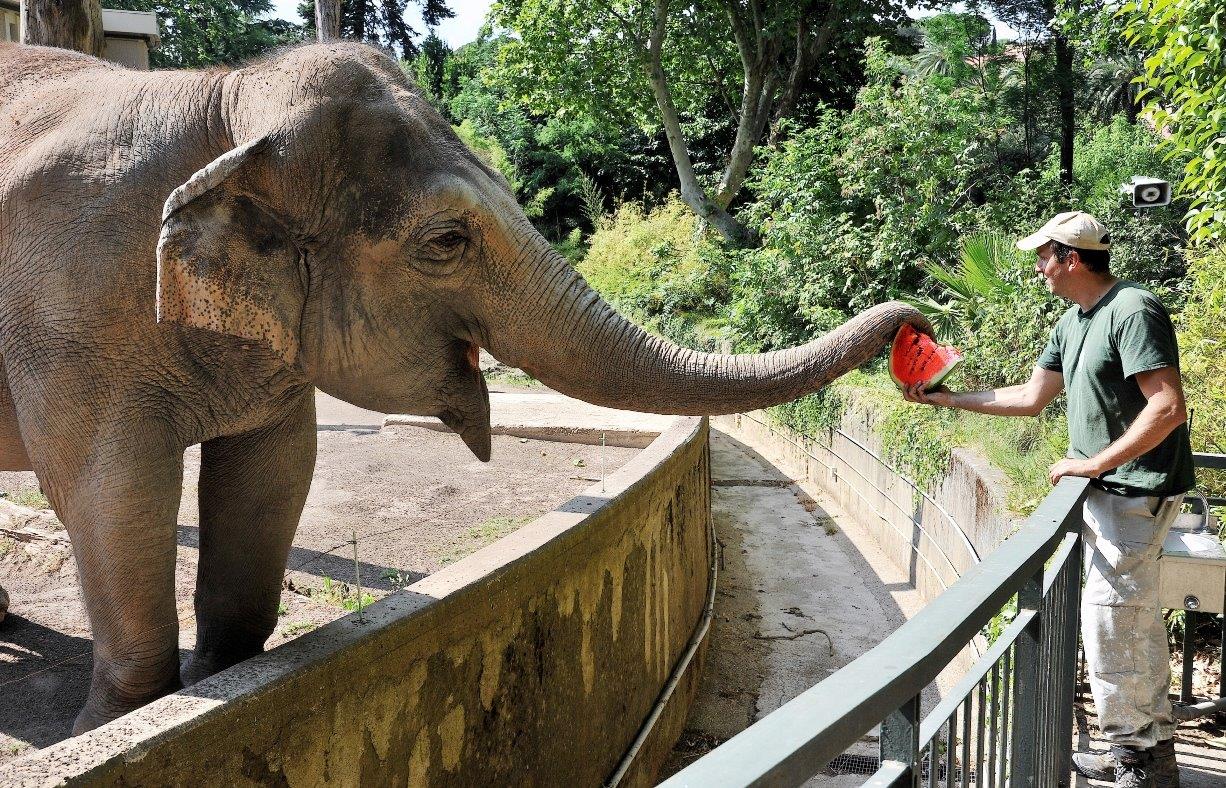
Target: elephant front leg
{"x": 118, "y": 495}
{"x": 252, "y": 490}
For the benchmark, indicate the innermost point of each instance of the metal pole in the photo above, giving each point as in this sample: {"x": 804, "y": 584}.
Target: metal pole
{"x": 900, "y": 740}
{"x": 1068, "y": 661}
{"x": 1026, "y": 686}
{"x": 1189, "y": 653}
{"x": 357, "y": 576}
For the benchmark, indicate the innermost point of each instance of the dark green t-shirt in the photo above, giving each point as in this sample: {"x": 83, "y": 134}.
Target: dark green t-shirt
{"x": 1098, "y": 352}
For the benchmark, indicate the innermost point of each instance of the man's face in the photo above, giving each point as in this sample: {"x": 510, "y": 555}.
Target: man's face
{"x": 1054, "y": 272}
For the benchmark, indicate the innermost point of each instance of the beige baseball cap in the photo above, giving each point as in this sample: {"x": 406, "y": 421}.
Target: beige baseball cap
{"x": 1077, "y": 229}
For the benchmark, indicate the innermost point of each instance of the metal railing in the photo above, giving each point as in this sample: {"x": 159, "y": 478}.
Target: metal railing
{"x": 1023, "y": 683}
{"x": 1007, "y": 722}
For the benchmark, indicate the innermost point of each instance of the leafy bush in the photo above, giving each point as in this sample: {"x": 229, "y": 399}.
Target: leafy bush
{"x": 653, "y": 266}
{"x": 1147, "y": 245}
{"x": 1185, "y": 87}
{"x": 921, "y": 438}
{"x": 994, "y": 308}
{"x": 1202, "y": 346}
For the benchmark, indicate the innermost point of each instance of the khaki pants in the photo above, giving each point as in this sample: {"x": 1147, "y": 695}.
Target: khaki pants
{"x": 1121, "y": 625}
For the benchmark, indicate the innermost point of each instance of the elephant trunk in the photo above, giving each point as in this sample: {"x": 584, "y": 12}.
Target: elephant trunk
{"x": 576, "y": 343}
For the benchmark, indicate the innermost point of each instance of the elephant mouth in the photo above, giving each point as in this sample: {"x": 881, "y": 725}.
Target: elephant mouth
{"x": 467, "y": 403}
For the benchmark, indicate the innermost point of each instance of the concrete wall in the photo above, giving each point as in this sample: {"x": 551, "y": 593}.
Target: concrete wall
{"x": 130, "y": 52}
{"x": 10, "y": 25}
{"x": 918, "y": 535}
{"x": 532, "y": 662}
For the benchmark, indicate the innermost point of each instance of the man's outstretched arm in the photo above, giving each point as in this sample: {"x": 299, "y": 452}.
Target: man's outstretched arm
{"x": 1164, "y": 410}
{"x": 1027, "y": 399}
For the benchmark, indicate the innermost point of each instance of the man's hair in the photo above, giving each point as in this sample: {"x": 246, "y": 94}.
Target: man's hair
{"x": 1097, "y": 260}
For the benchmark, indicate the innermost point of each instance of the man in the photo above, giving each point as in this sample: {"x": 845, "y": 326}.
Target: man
{"x": 1114, "y": 351}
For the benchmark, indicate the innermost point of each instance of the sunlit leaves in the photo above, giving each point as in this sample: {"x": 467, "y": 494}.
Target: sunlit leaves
{"x": 1185, "y": 87}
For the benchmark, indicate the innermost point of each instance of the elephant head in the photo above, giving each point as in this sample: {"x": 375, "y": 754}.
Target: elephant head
{"x": 349, "y": 231}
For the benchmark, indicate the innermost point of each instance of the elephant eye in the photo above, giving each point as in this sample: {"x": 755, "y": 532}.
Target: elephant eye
{"x": 449, "y": 241}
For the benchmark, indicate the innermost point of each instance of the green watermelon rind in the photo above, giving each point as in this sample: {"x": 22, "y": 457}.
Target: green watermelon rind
{"x": 936, "y": 379}
{"x": 940, "y": 376}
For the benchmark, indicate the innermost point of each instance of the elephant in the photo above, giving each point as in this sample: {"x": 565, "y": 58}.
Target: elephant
{"x": 186, "y": 256}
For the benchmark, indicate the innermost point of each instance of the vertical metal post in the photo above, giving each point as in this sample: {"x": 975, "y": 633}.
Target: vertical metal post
{"x": 981, "y": 705}
{"x": 1189, "y": 655}
{"x": 966, "y": 745}
{"x": 1023, "y": 767}
{"x": 1006, "y": 689}
{"x": 900, "y": 740}
{"x": 951, "y": 747}
{"x": 994, "y": 685}
{"x": 1067, "y": 689}
{"x": 1221, "y": 688}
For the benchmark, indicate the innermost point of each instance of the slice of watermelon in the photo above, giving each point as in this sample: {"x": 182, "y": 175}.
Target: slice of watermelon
{"x": 917, "y": 358}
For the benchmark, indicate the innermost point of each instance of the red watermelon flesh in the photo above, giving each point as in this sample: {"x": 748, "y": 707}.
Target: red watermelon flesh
{"x": 917, "y": 358}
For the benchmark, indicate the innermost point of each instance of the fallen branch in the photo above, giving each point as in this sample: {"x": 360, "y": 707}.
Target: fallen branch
{"x": 797, "y": 636}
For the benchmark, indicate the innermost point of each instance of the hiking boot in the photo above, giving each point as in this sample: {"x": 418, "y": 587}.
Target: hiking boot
{"x": 1095, "y": 765}
{"x": 1126, "y": 766}
{"x": 1101, "y": 766}
{"x": 1165, "y": 768}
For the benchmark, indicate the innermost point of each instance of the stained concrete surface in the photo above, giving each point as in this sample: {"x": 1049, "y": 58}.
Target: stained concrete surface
{"x": 417, "y": 499}
{"x": 755, "y": 528}
{"x": 795, "y": 602}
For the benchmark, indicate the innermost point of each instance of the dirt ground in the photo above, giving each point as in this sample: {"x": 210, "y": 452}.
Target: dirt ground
{"x": 417, "y": 499}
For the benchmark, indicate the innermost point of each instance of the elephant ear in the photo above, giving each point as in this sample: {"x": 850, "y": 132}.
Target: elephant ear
{"x": 225, "y": 264}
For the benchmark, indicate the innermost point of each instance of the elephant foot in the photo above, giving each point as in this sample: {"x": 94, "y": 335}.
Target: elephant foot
{"x": 102, "y": 707}
{"x": 202, "y": 665}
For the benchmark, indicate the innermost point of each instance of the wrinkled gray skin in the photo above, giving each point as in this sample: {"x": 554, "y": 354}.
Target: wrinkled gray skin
{"x": 184, "y": 255}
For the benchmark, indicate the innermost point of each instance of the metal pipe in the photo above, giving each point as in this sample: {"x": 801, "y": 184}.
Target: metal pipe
{"x": 1193, "y": 710}
{"x": 696, "y": 638}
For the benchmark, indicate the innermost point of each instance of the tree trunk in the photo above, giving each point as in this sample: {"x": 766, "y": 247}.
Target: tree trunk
{"x": 359, "y": 19}
{"x": 328, "y": 19}
{"x": 1026, "y": 105}
{"x": 1068, "y": 128}
{"x": 67, "y": 24}
{"x": 692, "y": 193}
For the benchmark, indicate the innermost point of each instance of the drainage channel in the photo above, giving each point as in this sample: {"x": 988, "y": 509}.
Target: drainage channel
{"x": 795, "y": 602}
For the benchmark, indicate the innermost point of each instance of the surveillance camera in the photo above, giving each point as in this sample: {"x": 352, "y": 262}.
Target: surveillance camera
{"x": 1147, "y": 192}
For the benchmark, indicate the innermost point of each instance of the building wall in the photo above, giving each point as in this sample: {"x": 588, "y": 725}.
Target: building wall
{"x": 10, "y": 25}
{"x": 130, "y": 52}
{"x": 534, "y": 661}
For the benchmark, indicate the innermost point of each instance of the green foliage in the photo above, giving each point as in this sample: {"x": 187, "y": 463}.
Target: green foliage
{"x": 340, "y": 595}
{"x": 950, "y": 41}
{"x": 551, "y": 153}
{"x": 977, "y": 279}
{"x": 1185, "y": 87}
{"x": 490, "y": 152}
{"x": 31, "y": 497}
{"x": 381, "y": 22}
{"x": 429, "y": 66}
{"x": 1202, "y": 345}
{"x": 1008, "y": 332}
{"x": 652, "y": 266}
{"x": 481, "y": 535}
{"x": 853, "y": 207}
{"x": 201, "y": 33}
{"x": 1147, "y": 245}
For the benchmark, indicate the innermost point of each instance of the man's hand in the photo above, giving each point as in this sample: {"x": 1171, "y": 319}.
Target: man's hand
{"x": 938, "y": 396}
{"x": 1068, "y": 467}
